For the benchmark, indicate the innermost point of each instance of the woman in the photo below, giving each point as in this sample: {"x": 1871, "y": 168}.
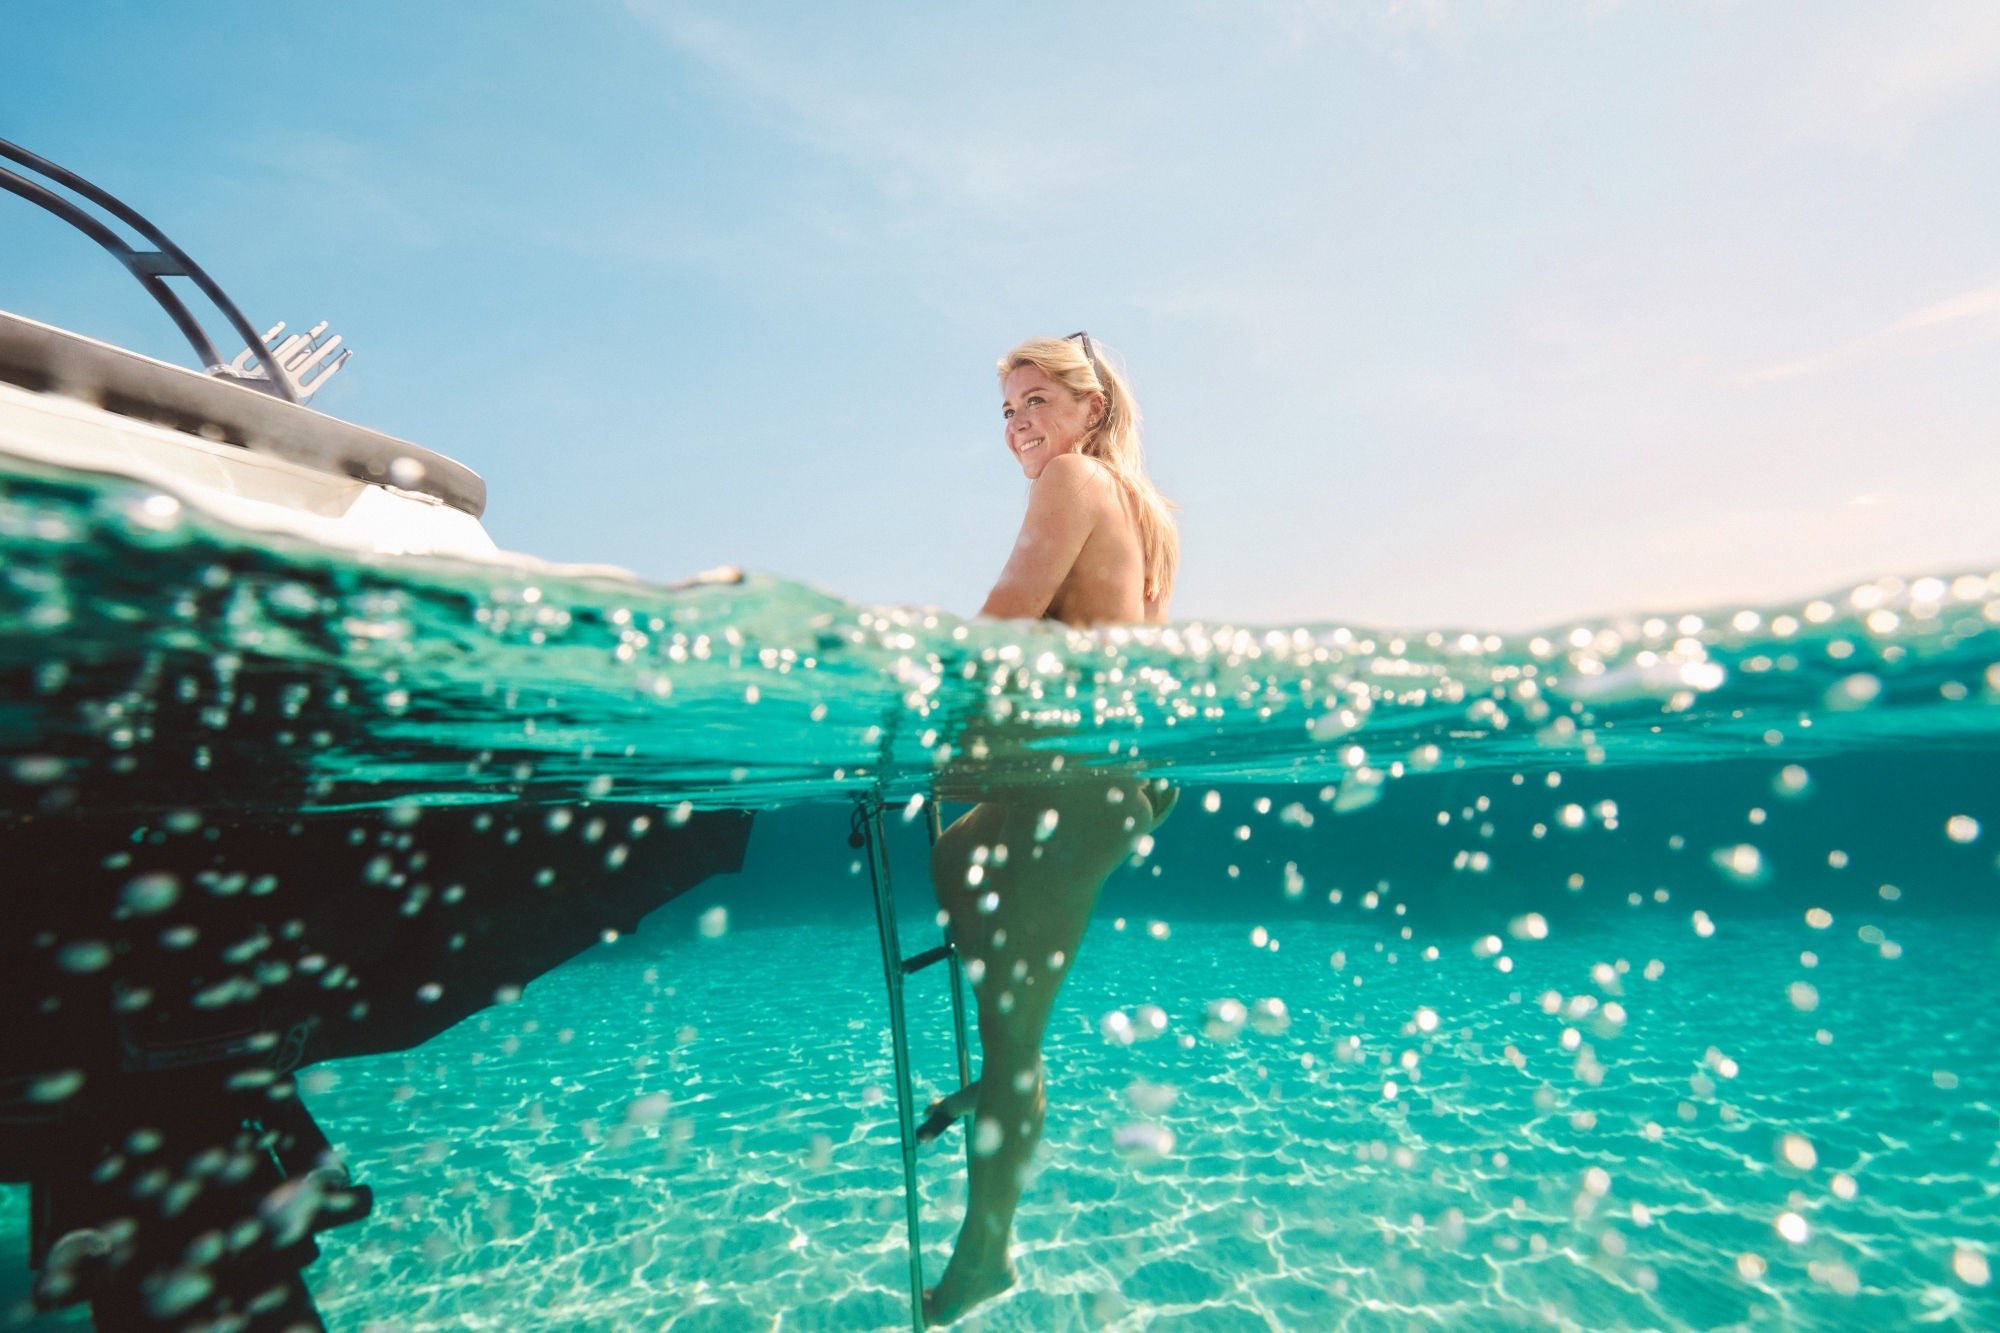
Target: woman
{"x": 1097, "y": 547}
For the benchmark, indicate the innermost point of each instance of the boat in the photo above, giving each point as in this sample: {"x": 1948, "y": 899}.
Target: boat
{"x": 191, "y": 926}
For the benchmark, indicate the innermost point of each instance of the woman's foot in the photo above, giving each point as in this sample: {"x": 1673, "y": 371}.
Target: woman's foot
{"x": 961, "y": 1288}
{"x": 941, "y": 1114}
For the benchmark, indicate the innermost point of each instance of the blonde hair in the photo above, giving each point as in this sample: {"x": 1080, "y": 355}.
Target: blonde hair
{"x": 1114, "y": 442}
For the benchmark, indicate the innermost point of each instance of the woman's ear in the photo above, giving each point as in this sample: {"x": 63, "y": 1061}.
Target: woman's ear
{"x": 1100, "y": 412}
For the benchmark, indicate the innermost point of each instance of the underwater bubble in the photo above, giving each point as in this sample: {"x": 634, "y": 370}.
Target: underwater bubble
{"x": 1117, "y": 1027}
{"x": 1961, "y": 828}
{"x": 1361, "y": 789}
{"x": 1797, "y": 1151}
{"x": 1704, "y": 925}
{"x": 1149, "y": 1098}
{"x": 56, "y": 1087}
{"x": 1970, "y": 1267}
{"x": 157, "y": 513}
{"x": 1818, "y": 918}
{"x": 1045, "y": 825}
{"x": 987, "y": 1136}
{"x": 1333, "y": 724}
{"x": 1148, "y": 1022}
{"x": 1843, "y": 1187}
{"x": 1295, "y": 883}
{"x": 648, "y": 1110}
{"x": 1793, "y": 1228}
{"x": 1270, "y": 1016}
{"x": 1751, "y": 1267}
{"x": 1223, "y": 1019}
{"x": 178, "y": 1291}
{"x": 1804, "y": 996}
{"x": 1531, "y": 926}
{"x": 1743, "y": 863}
{"x": 714, "y": 923}
{"x": 1792, "y": 780}
{"x": 147, "y": 894}
{"x": 1212, "y": 801}
{"x": 1427, "y": 1020}
{"x": 1143, "y": 1140}
{"x": 1851, "y": 692}
{"x": 84, "y": 956}
{"x": 38, "y": 769}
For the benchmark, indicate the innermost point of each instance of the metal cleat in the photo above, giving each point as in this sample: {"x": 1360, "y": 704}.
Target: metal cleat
{"x": 296, "y": 357}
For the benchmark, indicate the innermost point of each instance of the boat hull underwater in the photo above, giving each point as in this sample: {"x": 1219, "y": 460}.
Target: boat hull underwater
{"x": 193, "y": 914}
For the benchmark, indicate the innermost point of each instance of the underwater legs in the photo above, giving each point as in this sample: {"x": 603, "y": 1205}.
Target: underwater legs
{"x": 1018, "y": 878}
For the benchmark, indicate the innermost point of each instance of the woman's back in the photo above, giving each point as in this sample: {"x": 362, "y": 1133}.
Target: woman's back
{"x": 1107, "y": 582}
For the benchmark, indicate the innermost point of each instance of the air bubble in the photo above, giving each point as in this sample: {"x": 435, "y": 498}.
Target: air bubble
{"x": 149, "y": 894}
{"x": 1223, "y": 1019}
{"x": 84, "y": 956}
{"x": 1143, "y": 1140}
{"x": 1270, "y": 1017}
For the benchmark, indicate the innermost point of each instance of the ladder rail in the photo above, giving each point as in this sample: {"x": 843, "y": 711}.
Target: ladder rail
{"x": 895, "y": 967}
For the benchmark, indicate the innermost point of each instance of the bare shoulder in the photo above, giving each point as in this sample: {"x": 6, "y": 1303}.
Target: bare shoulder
{"x": 1073, "y": 471}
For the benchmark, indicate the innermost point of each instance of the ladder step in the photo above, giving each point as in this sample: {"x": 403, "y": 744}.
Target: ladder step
{"x": 916, "y": 963}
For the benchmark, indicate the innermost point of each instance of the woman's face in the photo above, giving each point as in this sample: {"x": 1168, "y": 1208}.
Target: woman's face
{"x": 1043, "y": 418}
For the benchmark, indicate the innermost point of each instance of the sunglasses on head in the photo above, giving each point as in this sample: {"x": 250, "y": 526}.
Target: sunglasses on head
{"x": 1089, "y": 352}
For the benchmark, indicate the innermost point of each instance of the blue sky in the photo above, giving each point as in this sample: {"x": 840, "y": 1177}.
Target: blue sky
{"x": 1479, "y": 314}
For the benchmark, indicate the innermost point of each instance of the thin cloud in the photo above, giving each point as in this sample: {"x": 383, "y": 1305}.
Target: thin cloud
{"x": 900, "y": 146}
{"x": 1983, "y": 303}
{"x": 1872, "y": 86}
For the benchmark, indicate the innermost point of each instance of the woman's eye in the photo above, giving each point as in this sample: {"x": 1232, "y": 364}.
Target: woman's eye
{"x": 1006, "y": 414}
{"x": 1034, "y": 402}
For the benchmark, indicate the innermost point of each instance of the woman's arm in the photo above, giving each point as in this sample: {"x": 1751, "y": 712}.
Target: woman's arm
{"x": 1062, "y": 509}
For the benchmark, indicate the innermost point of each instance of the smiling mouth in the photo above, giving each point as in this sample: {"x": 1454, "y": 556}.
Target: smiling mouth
{"x": 1031, "y": 444}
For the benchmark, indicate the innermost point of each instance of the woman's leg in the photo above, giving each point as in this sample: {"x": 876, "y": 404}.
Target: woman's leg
{"x": 1017, "y": 923}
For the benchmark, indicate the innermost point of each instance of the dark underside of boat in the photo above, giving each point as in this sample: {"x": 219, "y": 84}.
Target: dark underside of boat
{"x": 195, "y": 911}
{"x": 164, "y": 978}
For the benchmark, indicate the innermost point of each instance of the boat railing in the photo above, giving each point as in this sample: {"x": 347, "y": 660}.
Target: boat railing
{"x": 283, "y": 365}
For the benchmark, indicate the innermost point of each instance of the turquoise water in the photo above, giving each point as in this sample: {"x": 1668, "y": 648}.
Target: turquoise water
{"x": 1636, "y": 973}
